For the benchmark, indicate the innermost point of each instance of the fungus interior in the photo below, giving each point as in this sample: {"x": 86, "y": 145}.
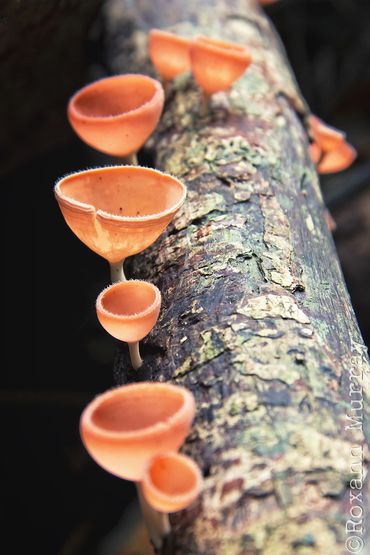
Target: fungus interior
{"x": 123, "y": 193}
{"x": 113, "y": 97}
{"x": 137, "y": 410}
{"x": 128, "y": 298}
{"x": 172, "y": 475}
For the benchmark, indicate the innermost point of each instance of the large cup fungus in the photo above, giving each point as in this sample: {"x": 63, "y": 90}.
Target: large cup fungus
{"x": 116, "y": 115}
{"x": 128, "y": 311}
{"x": 169, "y": 53}
{"x": 133, "y": 432}
{"x": 119, "y": 211}
{"x": 329, "y": 149}
{"x": 217, "y": 64}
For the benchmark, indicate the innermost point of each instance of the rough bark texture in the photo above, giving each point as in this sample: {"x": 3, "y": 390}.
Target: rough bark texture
{"x": 256, "y": 318}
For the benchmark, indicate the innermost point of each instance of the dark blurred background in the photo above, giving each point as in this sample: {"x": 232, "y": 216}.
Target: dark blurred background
{"x": 55, "y": 500}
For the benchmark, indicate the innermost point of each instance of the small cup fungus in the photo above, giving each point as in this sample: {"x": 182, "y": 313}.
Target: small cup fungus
{"x": 127, "y": 428}
{"x": 329, "y": 149}
{"x": 217, "y": 64}
{"x": 117, "y": 114}
{"x": 171, "y": 482}
{"x": 119, "y": 211}
{"x": 169, "y": 53}
{"x": 326, "y": 136}
{"x": 128, "y": 311}
{"x": 337, "y": 160}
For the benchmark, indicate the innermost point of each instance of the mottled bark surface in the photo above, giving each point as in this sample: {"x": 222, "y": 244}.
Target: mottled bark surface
{"x": 256, "y": 318}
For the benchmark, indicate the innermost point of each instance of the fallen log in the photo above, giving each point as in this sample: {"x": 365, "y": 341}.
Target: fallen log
{"x": 256, "y": 318}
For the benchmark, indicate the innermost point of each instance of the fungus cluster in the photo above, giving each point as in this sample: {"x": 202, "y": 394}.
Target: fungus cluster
{"x": 136, "y": 431}
{"x": 329, "y": 149}
{"x": 215, "y": 64}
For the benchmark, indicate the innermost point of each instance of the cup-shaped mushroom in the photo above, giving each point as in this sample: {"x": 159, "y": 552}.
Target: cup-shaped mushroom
{"x": 124, "y": 428}
{"x": 171, "y": 482}
{"x": 128, "y": 310}
{"x": 216, "y": 64}
{"x": 117, "y": 114}
{"x": 169, "y": 53}
{"x": 119, "y": 211}
{"x": 338, "y": 159}
{"x": 327, "y": 137}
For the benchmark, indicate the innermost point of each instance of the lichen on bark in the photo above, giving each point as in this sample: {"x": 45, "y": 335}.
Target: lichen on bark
{"x": 256, "y": 319}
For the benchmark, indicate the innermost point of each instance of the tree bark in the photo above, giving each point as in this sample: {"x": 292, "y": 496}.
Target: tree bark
{"x": 256, "y": 319}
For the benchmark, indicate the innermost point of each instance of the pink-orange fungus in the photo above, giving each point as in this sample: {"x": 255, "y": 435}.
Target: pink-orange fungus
{"x": 117, "y": 114}
{"x": 169, "y": 53}
{"x": 337, "y": 160}
{"x": 216, "y": 64}
{"x": 327, "y": 137}
{"x": 128, "y": 310}
{"x": 124, "y": 428}
{"x": 315, "y": 152}
{"x": 171, "y": 482}
{"x": 330, "y": 151}
{"x": 119, "y": 211}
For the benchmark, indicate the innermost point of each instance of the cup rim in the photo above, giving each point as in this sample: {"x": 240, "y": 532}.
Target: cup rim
{"x": 187, "y": 408}
{"x": 129, "y": 317}
{"x": 158, "y": 96}
{"x": 78, "y": 206}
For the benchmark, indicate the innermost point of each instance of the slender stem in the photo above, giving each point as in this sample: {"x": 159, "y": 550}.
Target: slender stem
{"x": 135, "y": 357}
{"x": 205, "y": 103}
{"x": 158, "y": 524}
{"x": 131, "y": 159}
{"x": 116, "y": 271}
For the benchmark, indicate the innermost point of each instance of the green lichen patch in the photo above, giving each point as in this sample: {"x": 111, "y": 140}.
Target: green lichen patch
{"x": 274, "y": 306}
{"x": 197, "y": 206}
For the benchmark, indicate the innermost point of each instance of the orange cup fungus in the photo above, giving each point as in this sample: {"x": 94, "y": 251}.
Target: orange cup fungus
{"x": 171, "y": 482}
{"x": 326, "y": 136}
{"x": 116, "y": 115}
{"x": 329, "y": 149}
{"x": 119, "y": 211}
{"x": 337, "y": 160}
{"x": 169, "y": 53}
{"x": 216, "y": 64}
{"x": 124, "y": 428}
{"x": 128, "y": 311}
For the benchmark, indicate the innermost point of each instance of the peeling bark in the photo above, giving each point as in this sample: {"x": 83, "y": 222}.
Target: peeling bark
{"x": 256, "y": 318}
